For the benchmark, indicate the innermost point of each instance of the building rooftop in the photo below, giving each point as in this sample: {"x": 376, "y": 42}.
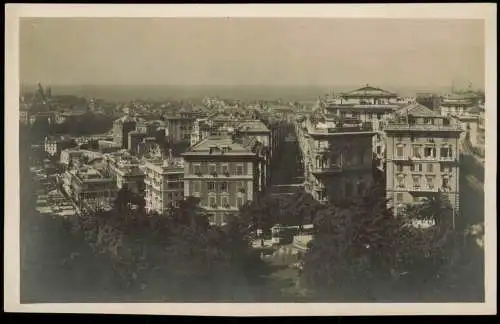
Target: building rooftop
{"x": 369, "y": 91}
{"x": 252, "y": 126}
{"x": 88, "y": 173}
{"x": 165, "y": 165}
{"x": 334, "y": 125}
{"x": 435, "y": 122}
{"x": 219, "y": 145}
{"x": 417, "y": 110}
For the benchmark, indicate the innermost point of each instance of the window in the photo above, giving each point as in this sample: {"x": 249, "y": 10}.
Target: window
{"x": 212, "y": 168}
{"x": 430, "y": 182}
{"x": 429, "y": 152}
{"x": 334, "y": 158}
{"x": 416, "y": 181}
{"x": 445, "y": 183}
{"x": 416, "y": 152}
{"x": 446, "y": 121}
{"x": 239, "y": 202}
{"x": 211, "y": 186}
{"x": 399, "y": 197}
{"x": 416, "y": 167}
{"x": 197, "y": 168}
{"x": 427, "y": 121}
{"x": 212, "y": 202}
{"x": 225, "y": 169}
{"x": 196, "y": 186}
{"x": 225, "y": 201}
{"x": 361, "y": 157}
{"x": 430, "y": 167}
{"x": 241, "y": 186}
{"x": 446, "y": 152}
{"x": 445, "y": 169}
{"x": 399, "y": 151}
{"x": 239, "y": 169}
{"x": 223, "y": 186}
{"x": 413, "y": 139}
{"x": 399, "y": 167}
{"x": 401, "y": 182}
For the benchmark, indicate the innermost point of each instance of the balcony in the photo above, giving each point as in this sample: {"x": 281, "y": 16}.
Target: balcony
{"x": 345, "y": 128}
{"x": 401, "y": 158}
{"x": 423, "y": 158}
{"x": 423, "y": 189}
{"x": 326, "y": 170}
{"x": 447, "y": 159}
{"x": 422, "y": 127}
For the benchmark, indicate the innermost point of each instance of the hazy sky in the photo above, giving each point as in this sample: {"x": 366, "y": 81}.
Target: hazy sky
{"x": 196, "y": 51}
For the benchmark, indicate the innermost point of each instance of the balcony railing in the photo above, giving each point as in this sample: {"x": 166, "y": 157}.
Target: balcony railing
{"x": 422, "y": 127}
{"x": 363, "y": 127}
{"x": 447, "y": 158}
{"x": 423, "y": 189}
{"x": 326, "y": 169}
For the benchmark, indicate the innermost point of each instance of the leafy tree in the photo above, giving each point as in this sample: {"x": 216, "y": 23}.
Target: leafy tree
{"x": 362, "y": 250}
{"x": 436, "y": 208}
{"x": 261, "y": 213}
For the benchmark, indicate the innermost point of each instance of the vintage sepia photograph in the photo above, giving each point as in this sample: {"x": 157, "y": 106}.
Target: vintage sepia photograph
{"x": 233, "y": 159}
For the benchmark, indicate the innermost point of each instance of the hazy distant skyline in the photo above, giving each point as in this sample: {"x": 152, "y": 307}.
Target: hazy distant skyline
{"x": 251, "y": 51}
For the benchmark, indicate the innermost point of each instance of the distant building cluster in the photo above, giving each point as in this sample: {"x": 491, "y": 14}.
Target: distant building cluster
{"x": 346, "y": 142}
{"x": 229, "y": 160}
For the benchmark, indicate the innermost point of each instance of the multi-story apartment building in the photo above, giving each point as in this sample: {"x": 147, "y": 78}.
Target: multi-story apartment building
{"x": 180, "y": 125}
{"x": 121, "y": 128}
{"x": 465, "y": 107}
{"x": 422, "y": 156}
{"x": 337, "y": 156}
{"x": 125, "y": 169}
{"x": 164, "y": 183}
{"x": 223, "y": 172}
{"x": 201, "y": 129}
{"x": 455, "y": 105}
{"x": 147, "y": 145}
{"x": 368, "y": 104}
{"x": 72, "y": 155}
{"x": 53, "y": 145}
{"x": 89, "y": 187}
{"x": 134, "y": 139}
{"x": 24, "y": 114}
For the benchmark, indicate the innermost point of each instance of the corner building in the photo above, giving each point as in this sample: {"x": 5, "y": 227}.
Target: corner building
{"x": 222, "y": 171}
{"x": 337, "y": 156}
{"x": 422, "y": 157}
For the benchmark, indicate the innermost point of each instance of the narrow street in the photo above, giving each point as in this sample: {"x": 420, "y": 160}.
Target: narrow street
{"x": 287, "y": 175}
